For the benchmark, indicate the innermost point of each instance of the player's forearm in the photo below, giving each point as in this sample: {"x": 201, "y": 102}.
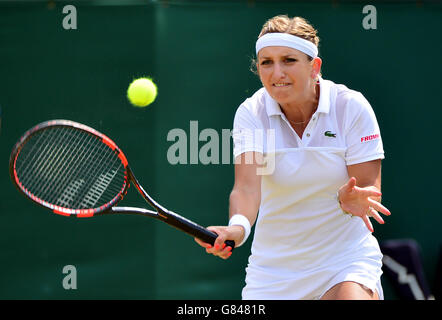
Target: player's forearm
{"x": 368, "y": 175}
{"x": 245, "y": 202}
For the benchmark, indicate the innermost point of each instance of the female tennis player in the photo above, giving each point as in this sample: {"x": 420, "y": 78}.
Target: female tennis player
{"x": 313, "y": 236}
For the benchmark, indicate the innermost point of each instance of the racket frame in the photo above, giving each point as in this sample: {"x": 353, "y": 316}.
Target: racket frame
{"x": 161, "y": 213}
{"x": 81, "y": 213}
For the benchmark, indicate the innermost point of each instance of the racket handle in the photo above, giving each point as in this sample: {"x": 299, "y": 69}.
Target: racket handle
{"x": 210, "y": 237}
{"x": 230, "y": 243}
{"x": 191, "y": 228}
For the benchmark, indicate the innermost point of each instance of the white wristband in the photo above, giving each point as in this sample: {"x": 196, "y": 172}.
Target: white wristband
{"x": 240, "y": 220}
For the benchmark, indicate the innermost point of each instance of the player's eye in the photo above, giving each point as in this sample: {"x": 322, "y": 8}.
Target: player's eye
{"x": 290, "y": 60}
{"x": 266, "y": 62}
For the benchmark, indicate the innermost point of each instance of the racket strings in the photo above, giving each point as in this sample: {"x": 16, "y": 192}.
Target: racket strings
{"x": 40, "y": 172}
{"x": 101, "y": 163}
{"x": 99, "y": 176}
{"x": 32, "y": 160}
{"x": 36, "y": 155}
{"x": 51, "y": 165}
{"x": 70, "y": 181}
{"x": 72, "y": 187}
{"x": 70, "y": 168}
{"x": 62, "y": 168}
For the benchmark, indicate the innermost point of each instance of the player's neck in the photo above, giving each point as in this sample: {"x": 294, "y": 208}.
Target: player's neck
{"x": 300, "y": 111}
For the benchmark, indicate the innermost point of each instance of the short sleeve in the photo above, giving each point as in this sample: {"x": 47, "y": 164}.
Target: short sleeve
{"x": 363, "y": 137}
{"x": 247, "y": 132}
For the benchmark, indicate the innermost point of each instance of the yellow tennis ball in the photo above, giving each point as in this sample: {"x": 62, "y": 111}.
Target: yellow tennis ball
{"x": 142, "y": 92}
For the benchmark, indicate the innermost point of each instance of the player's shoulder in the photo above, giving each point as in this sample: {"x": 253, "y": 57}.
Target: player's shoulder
{"x": 252, "y": 112}
{"x": 255, "y": 104}
{"x": 350, "y": 100}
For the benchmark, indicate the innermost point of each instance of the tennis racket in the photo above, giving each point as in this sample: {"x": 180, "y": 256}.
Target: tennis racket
{"x": 75, "y": 170}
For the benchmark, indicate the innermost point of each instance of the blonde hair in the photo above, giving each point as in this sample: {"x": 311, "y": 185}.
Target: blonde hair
{"x": 296, "y": 26}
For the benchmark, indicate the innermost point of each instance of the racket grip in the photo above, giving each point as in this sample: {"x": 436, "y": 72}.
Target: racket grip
{"x": 191, "y": 228}
{"x": 230, "y": 243}
{"x": 210, "y": 237}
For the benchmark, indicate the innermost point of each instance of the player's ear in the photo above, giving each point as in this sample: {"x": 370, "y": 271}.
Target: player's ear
{"x": 316, "y": 67}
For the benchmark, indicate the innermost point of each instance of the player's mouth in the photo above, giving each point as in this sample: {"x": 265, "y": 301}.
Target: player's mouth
{"x": 281, "y": 85}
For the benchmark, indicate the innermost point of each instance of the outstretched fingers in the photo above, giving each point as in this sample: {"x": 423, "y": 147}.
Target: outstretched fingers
{"x": 372, "y": 212}
{"x": 377, "y": 206}
{"x": 375, "y": 215}
{"x": 368, "y": 192}
{"x": 367, "y": 222}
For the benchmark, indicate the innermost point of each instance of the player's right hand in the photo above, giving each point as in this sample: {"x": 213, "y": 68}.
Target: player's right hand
{"x": 219, "y": 249}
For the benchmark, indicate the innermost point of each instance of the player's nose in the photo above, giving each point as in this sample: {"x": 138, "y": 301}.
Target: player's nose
{"x": 278, "y": 72}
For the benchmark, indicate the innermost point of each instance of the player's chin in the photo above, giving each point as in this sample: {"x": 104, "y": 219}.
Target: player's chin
{"x": 282, "y": 96}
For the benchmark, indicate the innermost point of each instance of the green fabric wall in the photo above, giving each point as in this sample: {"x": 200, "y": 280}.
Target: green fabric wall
{"x": 199, "y": 55}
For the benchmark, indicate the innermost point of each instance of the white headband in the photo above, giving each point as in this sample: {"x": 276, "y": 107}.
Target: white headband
{"x": 287, "y": 40}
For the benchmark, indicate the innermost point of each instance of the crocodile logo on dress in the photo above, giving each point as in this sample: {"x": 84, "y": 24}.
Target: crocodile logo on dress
{"x": 329, "y": 134}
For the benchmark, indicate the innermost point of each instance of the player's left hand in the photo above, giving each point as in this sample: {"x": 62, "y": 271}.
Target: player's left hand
{"x": 358, "y": 201}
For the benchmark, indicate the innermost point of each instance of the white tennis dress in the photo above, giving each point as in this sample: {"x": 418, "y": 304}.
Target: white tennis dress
{"x": 303, "y": 242}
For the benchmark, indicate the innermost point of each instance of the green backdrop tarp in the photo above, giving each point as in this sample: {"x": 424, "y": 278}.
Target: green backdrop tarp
{"x": 199, "y": 55}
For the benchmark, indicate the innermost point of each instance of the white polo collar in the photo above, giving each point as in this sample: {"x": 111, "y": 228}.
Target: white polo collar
{"x": 273, "y": 108}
